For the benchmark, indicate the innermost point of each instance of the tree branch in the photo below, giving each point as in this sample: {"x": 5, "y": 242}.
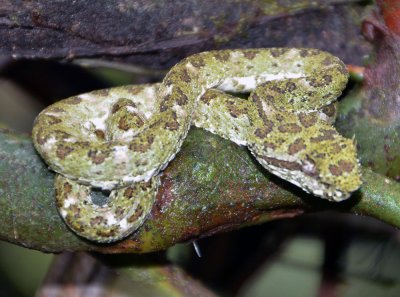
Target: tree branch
{"x": 161, "y": 33}
{"x": 211, "y": 186}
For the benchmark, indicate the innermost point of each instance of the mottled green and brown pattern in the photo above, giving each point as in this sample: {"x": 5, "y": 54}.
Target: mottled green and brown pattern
{"x": 126, "y": 210}
{"x": 120, "y": 138}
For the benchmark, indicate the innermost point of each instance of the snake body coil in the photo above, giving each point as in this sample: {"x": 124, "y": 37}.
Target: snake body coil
{"x": 119, "y": 139}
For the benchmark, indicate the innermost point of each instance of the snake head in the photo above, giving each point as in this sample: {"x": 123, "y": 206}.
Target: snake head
{"x": 327, "y": 168}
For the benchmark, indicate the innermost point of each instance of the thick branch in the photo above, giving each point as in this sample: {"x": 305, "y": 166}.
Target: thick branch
{"x": 161, "y": 33}
{"x": 212, "y": 186}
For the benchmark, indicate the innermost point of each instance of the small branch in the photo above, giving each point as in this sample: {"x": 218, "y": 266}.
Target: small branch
{"x": 80, "y": 274}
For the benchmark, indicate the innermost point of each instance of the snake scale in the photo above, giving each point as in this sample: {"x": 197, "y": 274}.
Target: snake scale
{"x": 119, "y": 139}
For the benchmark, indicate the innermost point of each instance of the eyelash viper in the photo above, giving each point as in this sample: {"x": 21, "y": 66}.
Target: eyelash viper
{"x": 119, "y": 139}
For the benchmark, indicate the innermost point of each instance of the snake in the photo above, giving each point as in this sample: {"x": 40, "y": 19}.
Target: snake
{"x": 278, "y": 102}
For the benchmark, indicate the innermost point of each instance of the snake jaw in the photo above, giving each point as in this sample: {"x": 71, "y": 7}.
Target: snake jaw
{"x": 308, "y": 174}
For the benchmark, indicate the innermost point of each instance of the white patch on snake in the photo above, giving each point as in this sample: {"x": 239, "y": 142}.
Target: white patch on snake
{"x": 292, "y": 53}
{"x": 308, "y": 166}
{"x": 268, "y": 110}
{"x": 180, "y": 112}
{"x": 279, "y": 76}
{"x": 110, "y": 219}
{"x": 131, "y": 109}
{"x": 144, "y": 177}
{"x": 318, "y": 192}
{"x": 123, "y": 224}
{"x": 49, "y": 144}
{"x": 120, "y": 153}
{"x": 87, "y": 97}
{"x": 238, "y": 141}
{"x": 149, "y": 174}
{"x": 229, "y": 84}
{"x": 70, "y": 140}
{"x": 150, "y": 98}
{"x": 250, "y": 83}
{"x": 100, "y": 122}
{"x": 69, "y": 201}
{"x": 234, "y": 54}
{"x": 63, "y": 213}
{"x": 54, "y": 113}
{"x": 104, "y": 185}
{"x": 189, "y": 66}
{"x": 87, "y": 125}
{"x": 168, "y": 89}
{"x": 128, "y": 134}
{"x": 150, "y": 92}
{"x": 338, "y": 196}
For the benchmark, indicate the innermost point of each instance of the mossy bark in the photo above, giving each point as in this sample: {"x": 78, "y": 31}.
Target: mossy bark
{"x": 211, "y": 186}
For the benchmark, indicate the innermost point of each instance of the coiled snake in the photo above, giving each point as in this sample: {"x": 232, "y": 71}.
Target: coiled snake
{"x": 119, "y": 139}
